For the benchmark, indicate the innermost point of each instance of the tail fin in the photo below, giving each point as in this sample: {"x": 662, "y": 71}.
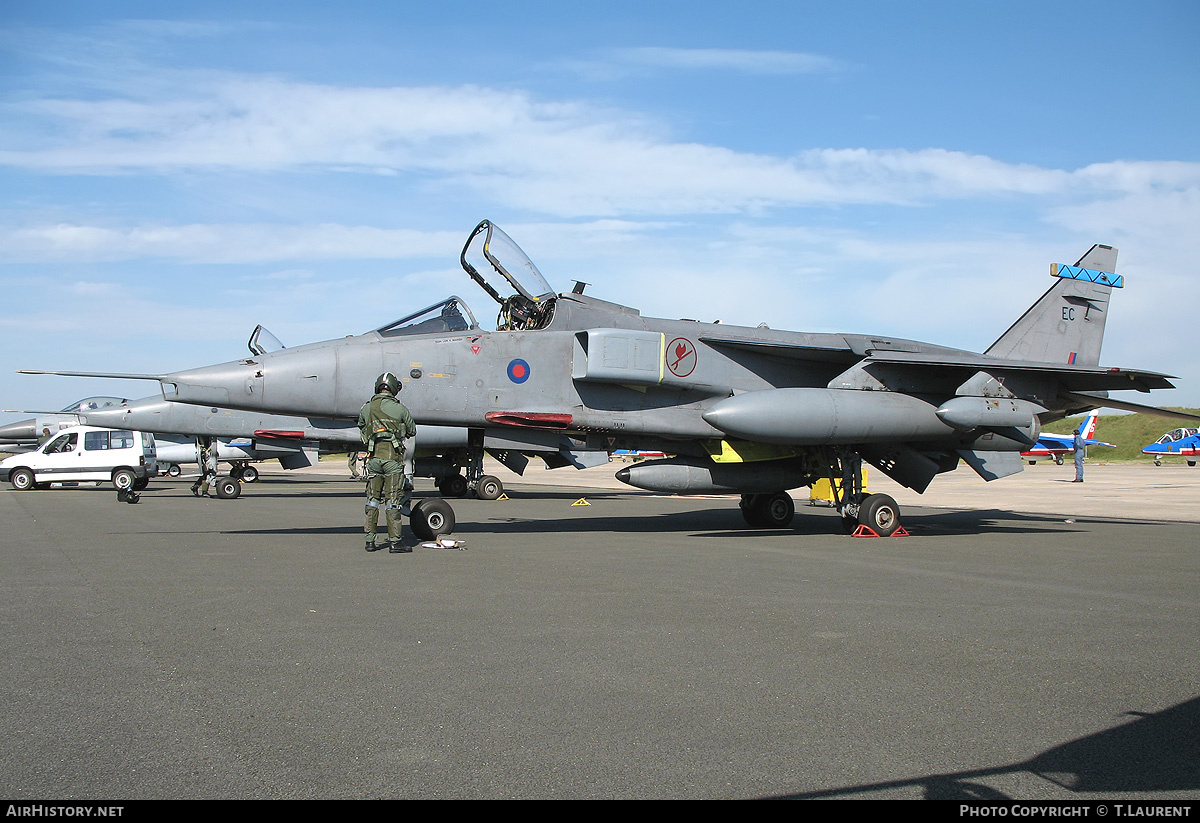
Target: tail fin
{"x": 1067, "y": 324}
{"x": 1087, "y": 429}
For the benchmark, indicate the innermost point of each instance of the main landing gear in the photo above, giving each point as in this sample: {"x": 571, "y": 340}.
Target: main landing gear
{"x": 485, "y": 486}
{"x": 768, "y": 511}
{"x": 243, "y": 471}
{"x": 862, "y": 514}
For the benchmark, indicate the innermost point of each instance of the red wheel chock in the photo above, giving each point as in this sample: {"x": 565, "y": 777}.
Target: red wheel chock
{"x": 867, "y": 531}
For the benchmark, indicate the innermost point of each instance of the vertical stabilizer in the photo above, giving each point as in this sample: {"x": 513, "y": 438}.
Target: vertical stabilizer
{"x": 1087, "y": 429}
{"x": 1067, "y": 324}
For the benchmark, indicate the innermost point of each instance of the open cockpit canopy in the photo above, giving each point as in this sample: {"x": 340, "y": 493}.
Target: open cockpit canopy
{"x": 509, "y": 277}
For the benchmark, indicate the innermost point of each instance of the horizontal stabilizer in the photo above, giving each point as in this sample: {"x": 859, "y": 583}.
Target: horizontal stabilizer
{"x": 1102, "y": 402}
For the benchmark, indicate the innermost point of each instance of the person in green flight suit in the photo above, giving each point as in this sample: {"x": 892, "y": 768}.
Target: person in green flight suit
{"x": 208, "y": 466}
{"x": 385, "y": 424}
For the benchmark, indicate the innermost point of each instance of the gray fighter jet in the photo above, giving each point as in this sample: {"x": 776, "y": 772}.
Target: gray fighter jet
{"x": 32, "y": 431}
{"x": 745, "y": 410}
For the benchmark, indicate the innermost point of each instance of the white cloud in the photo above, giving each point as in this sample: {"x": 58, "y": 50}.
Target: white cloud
{"x": 738, "y": 60}
{"x": 568, "y": 160}
{"x": 221, "y": 243}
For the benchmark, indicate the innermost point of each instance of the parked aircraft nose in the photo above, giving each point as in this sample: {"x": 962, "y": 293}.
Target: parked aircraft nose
{"x": 19, "y": 431}
{"x": 112, "y": 418}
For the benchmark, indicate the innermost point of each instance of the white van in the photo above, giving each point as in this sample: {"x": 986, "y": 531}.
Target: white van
{"x": 125, "y": 458}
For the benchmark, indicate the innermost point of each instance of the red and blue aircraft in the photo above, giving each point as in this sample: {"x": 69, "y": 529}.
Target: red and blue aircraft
{"x": 1056, "y": 445}
{"x": 1176, "y": 443}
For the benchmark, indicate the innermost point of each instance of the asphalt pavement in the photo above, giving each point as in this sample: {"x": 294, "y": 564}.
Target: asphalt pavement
{"x": 1034, "y": 641}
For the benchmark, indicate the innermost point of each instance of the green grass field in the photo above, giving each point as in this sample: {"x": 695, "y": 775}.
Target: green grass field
{"x": 1129, "y": 432}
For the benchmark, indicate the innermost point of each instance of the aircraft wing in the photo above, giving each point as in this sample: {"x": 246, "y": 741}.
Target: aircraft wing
{"x": 1074, "y": 379}
{"x": 789, "y": 351}
{"x": 901, "y": 355}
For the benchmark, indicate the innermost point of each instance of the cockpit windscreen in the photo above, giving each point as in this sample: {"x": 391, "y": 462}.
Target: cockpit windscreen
{"x": 92, "y": 403}
{"x": 450, "y": 315}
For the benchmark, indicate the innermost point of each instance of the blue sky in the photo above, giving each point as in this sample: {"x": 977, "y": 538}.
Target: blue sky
{"x": 173, "y": 174}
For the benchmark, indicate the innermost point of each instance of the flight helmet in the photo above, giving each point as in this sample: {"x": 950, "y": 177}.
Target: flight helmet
{"x": 387, "y": 382}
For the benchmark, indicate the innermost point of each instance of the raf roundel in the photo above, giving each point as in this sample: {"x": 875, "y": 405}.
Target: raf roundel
{"x": 518, "y": 371}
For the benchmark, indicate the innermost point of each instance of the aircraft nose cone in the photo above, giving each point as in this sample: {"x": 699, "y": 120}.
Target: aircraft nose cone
{"x": 623, "y": 475}
{"x": 21, "y": 430}
{"x": 103, "y": 417}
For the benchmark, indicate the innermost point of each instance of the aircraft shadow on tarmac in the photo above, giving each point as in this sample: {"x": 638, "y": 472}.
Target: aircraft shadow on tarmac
{"x": 724, "y": 523}
{"x": 720, "y": 519}
{"x": 1157, "y": 752}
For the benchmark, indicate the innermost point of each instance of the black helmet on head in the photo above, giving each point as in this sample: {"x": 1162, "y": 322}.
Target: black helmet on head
{"x": 387, "y": 382}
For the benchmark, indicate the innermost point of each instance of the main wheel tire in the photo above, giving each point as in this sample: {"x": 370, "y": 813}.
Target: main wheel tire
{"x": 880, "y": 514}
{"x": 777, "y": 510}
{"x": 22, "y": 480}
{"x": 228, "y": 488}
{"x": 750, "y": 510}
{"x": 123, "y": 479}
{"x": 454, "y": 485}
{"x": 768, "y": 511}
{"x": 431, "y": 518}
{"x": 489, "y": 488}
{"x": 249, "y": 474}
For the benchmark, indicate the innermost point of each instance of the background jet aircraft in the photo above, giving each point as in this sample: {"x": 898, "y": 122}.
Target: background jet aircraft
{"x": 748, "y": 410}
{"x": 1176, "y": 443}
{"x": 1056, "y": 445}
{"x": 442, "y": 453}
{"x": 29, "y": 432}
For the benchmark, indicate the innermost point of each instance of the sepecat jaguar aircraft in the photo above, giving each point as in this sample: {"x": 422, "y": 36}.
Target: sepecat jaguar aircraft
{"x": 749, "y": 411}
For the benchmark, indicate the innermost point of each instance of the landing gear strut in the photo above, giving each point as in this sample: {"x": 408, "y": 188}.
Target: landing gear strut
{"x": 862, "y": 514}
{"x": 485, "y": 486}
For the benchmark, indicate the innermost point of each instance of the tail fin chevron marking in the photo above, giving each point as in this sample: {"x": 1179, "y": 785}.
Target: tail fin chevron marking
{"x": 1066, "y": 325}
